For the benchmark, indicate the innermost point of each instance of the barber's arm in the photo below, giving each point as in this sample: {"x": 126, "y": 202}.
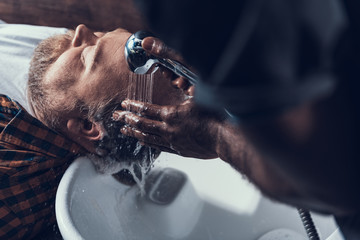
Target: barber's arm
{"x": 191, "y": 131}
{"x": 291, "y": 157}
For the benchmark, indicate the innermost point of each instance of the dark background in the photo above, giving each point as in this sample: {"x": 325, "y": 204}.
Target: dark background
{"x": 99, "y": 15}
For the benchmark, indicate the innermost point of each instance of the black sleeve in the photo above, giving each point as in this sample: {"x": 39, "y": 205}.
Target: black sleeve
{"x": 255, "y": 57}
{"x": 350, "y": 226}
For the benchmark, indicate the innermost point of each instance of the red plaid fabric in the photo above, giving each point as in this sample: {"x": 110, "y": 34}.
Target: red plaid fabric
{"x": 33, "y": 159}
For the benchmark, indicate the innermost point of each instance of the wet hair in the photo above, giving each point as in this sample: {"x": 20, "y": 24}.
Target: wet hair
{"x": 40, "y": 95}
{"x": 124, "y": 149}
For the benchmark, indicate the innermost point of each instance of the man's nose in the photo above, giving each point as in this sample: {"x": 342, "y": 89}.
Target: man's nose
{"x": 83, "y": 35}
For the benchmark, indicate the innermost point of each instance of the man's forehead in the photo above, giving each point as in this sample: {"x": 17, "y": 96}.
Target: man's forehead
{"x": 102, "y": 33}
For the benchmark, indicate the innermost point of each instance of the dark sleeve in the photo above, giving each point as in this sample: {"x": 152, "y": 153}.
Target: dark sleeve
{"x": 350, "y": 226}
{"x": 254, "y": 57}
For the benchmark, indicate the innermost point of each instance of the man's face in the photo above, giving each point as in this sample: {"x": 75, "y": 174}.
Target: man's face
{"x": 94, "y": 69}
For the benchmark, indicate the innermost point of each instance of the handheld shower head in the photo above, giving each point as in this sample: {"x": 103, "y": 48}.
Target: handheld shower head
{"x": 139, "y": 61}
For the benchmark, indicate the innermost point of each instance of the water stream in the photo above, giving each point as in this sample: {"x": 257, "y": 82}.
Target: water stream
{"x": 140, "y": 87}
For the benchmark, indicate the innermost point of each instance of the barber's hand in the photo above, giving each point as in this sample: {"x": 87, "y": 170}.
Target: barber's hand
{"x": 158, "y": 48}
{"x": 181, "y": 129}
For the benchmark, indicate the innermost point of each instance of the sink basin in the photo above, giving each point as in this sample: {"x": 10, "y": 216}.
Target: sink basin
{"x": 185, "y": 199}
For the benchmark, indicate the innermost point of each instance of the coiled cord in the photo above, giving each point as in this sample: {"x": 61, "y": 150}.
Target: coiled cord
{"x": 308, "y": 224}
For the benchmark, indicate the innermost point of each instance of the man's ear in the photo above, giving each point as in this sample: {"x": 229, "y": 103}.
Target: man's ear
{"x": 82, "y": 128}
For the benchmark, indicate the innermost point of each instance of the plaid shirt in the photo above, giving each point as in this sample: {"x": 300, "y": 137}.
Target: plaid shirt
{"x": 33, "y": 159}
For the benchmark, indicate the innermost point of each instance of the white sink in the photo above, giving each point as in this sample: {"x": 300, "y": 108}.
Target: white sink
{"x": 187, "y": 199}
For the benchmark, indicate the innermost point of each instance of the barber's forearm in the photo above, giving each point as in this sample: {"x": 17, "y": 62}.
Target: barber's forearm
{"x": 312, "y": 147}
{"x": 233, "y": 147}
{"x": 278, "y": 161}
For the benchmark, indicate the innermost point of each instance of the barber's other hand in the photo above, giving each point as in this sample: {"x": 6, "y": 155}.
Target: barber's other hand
{"x": 183, "y": 129}
{"x": 158, "y": 48}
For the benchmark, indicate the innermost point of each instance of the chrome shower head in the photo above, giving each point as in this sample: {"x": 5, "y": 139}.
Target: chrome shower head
{"x": 139, "y": 61}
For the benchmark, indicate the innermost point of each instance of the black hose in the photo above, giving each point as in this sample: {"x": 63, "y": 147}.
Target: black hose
{"x": 308, "y": 224}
